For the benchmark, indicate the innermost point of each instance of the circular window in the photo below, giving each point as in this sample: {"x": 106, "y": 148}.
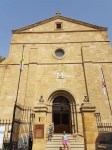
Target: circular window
{"x": 59, "y": 53}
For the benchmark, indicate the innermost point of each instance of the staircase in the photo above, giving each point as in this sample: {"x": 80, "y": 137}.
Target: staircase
{"x": 56, "y": 143}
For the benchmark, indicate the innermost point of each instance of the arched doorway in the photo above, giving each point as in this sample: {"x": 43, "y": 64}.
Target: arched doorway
{"x": 61, "y": 114}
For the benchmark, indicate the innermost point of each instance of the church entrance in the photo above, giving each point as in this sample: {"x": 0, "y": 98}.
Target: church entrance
{"x": 61, "y": 115}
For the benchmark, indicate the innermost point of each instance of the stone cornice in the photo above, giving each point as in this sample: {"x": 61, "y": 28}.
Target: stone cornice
{"x": 87, "y": 107}
{"x": 64, "y": 63}
{"x": 59, "y": 31}
{"x": 61, "y": 42}
{"x": 41, "y": 108}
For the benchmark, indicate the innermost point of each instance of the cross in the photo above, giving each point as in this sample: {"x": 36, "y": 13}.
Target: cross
{"x": 58, "y": 13}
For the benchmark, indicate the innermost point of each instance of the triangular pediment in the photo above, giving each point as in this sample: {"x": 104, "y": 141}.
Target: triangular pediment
{"x": 49, "y": 25}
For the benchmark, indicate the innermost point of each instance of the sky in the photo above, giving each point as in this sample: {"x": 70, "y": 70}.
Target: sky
{"x": 16, "y": 14}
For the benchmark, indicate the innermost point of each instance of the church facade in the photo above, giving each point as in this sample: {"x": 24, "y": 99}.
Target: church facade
{"x": 65, "y": 63}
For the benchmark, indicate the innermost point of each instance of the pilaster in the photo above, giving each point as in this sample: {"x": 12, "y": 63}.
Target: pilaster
{"x": 39, "y": 137}
{"x": 89, "y": 125}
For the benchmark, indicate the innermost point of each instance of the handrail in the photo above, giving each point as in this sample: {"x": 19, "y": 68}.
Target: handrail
{"x": 78, "y": 134}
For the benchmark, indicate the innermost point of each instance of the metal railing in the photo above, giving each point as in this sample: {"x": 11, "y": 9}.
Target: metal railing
{"x": 104, "y": 127}
{"x": 6, "y": 125}
{"x": 21, "y": 127}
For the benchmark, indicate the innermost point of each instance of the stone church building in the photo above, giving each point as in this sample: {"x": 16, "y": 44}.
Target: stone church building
{"x": 65, "y": 61}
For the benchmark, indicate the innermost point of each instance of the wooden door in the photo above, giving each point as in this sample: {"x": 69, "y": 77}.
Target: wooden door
{"x": 61, "y": 115}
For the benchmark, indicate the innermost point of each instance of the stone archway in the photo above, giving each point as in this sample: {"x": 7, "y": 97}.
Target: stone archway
{"x": 63, "y": 106}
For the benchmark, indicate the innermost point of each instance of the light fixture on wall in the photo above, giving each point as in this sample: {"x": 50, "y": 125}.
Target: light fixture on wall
{"x": 41, "y": 99}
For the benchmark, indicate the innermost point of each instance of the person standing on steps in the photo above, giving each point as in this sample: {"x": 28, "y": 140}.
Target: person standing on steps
{"x": 65, "y": 140}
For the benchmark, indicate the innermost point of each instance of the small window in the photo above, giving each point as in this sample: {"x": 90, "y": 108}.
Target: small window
{"x": 59, "y": 53}
{"x": 59, "y": 25}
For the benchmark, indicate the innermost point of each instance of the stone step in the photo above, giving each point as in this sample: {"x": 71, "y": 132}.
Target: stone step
{"x": 71, "y": 145}
{"x": 60, "y": 142}
{"x": 62, "y": 148}
{"x": 60, "y": 135}
{"x": 58, "y": 138}
{"x": 56, "y": 143}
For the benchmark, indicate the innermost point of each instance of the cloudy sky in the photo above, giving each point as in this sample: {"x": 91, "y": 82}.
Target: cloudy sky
{"x": 15, "y": 14}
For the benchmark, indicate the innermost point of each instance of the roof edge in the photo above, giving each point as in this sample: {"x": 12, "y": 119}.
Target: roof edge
{"x": 59, "y": 17}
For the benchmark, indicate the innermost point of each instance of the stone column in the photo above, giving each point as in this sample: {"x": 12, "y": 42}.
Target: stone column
{"x": 89, "y": 125}
{"x": 39, "y": 136}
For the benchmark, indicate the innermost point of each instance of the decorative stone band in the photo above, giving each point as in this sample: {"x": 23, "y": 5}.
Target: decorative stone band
{"x": 41, "y": 108}
{"x": 87, "y": 107}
